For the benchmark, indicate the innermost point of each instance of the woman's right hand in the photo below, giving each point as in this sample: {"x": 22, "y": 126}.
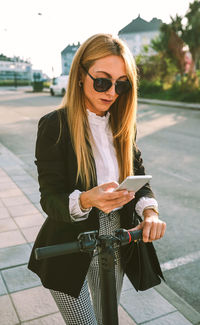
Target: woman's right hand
{"x": 105, "y": 198}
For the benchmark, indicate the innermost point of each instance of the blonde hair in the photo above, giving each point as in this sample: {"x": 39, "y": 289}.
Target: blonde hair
{"x": 123, "y": 110}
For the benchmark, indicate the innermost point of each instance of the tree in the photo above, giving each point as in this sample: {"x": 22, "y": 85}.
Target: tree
{"x": 191, "y": 32}
{"x": 170, "y": 44}
{"x": 176, "y": 36}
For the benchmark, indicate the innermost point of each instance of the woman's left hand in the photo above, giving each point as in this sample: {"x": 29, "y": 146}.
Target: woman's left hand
{"x": 152, "y": 227}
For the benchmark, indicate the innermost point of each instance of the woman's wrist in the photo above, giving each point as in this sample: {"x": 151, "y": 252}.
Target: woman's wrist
{"x": 84, "y": 201}
{"x": 149, "y": 212}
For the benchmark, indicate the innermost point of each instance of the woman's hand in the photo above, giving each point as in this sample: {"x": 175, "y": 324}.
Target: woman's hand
{"x": 103, "y": 197}
{"x": 152, "y": 227}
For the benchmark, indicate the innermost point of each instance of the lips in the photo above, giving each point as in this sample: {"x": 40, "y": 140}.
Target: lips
{"x": 106, "y": 100}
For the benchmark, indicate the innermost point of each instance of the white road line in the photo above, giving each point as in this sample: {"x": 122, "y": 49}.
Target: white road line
{"x": 180, "y": 261}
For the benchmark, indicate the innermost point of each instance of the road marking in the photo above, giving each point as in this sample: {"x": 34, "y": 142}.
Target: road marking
{"x": 170, "y": 265}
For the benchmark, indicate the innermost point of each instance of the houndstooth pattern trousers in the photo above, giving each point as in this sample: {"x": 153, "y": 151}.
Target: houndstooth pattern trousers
{"x": 86, "y": 309}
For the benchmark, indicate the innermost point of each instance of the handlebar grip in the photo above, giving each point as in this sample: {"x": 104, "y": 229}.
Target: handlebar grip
{"x": 57, "y": 250}
{"x": 135, "y": 235}
{"x": 127, "y": 237}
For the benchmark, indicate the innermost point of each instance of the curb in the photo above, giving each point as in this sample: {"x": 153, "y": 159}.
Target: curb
{"x": 180, "y": 304}
{"x": 191, "y": 106}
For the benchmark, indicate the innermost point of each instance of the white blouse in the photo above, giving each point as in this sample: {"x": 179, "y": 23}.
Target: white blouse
{"x": 106, "y": 165}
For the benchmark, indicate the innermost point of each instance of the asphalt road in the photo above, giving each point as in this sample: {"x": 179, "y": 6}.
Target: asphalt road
{"x": 169, "y": 139}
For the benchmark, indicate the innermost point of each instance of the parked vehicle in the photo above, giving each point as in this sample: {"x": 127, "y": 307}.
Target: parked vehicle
{"x": 59, "y": 85}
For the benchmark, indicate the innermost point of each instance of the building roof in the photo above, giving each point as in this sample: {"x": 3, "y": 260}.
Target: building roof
{"x": 13, "y": 59}
{"x": 141, "y": 25}
{"x": 70, "y": 48}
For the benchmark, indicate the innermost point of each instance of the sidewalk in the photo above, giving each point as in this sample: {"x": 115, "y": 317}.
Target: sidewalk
{"x": 22, "y": 298}
{"x": 175, "y": 104}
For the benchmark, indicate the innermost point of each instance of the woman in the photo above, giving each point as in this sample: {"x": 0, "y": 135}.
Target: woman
{"x": 83, "y": 151}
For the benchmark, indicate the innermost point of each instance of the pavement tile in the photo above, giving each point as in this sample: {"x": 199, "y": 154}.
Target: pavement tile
{"x": 3, "y": 290}
{"x": 4, "y": 213}
{"x": 23, "y": 178}
{"x": 8, "y": 159}
{"x": 30, "y": 220}
{"x": 124, "y": 318}
{"x": 10, "y": 192}
{"x": 170, "y": 319}
{"x": 1, "y": 204}
{"x": 7, "y": 186}
{"x": 15, "y": 255}
{"x": 145, "y": 306}
{"x": 11, "y": 238}
{"x": 30, "y": 190}
{"x": 16, "y": 170}
{"x": 31, "y": 233}
{"x": 54, "y": 319}
{"x": 7, "y": 224}
{"x": 26, "y": 183}
{"x": 20, "y": 278}
{"x": 4, "y": 179}
{"x": 34, "y": 197}
{"x": 22, "y": 209}
{"x": 16, "y": 200}
{"x": 32, "y": 303}
{"x": 40, "y": 209}
{"x": 126, "y": 284}
{"x": 7, "y": 312}
{"x": 2, "y": 173}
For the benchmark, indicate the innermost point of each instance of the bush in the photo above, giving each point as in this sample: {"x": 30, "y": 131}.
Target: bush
{"x": 37, "y": 86}
{"x": 149, "y": 88}
{"x": 46, "y": 84}
{"x": 183, "y": 92}
{"x": 13, "y": 83}
{"x": 177, "y": 92}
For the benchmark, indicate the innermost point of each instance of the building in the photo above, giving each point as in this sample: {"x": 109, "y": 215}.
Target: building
{"x": 15, "y": 68}
{"x": 139, "y": 33}
{"x": 67, "y": 56}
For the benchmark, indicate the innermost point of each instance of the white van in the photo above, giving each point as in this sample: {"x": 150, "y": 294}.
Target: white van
{"x": 59, "y": 85}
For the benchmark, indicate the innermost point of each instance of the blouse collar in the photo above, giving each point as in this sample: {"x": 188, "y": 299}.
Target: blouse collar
{"x": 98, "y": 120}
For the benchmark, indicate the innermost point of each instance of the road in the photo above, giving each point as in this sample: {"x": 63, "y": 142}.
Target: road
{"x": 169, "y": 139}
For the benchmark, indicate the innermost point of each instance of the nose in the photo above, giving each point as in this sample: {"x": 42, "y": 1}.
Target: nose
{"x": 111, "y": 90}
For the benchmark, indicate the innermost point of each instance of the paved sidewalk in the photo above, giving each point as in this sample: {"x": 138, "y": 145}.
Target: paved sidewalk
{"x": 170, "y": 103}
{"x": 22, "y": 298}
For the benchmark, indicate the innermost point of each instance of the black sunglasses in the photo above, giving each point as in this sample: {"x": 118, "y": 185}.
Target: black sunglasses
{"x": 103, "y": 84}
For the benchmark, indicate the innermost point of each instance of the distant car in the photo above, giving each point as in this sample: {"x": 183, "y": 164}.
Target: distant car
{"x": 59, "y": 85}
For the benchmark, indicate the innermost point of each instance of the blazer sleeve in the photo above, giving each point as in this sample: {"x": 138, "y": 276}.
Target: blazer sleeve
{"x": 140, "y": 170}
{"x": 52, "y": 176}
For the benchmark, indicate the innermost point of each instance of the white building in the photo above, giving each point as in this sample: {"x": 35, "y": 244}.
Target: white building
{"x": 67, "y": 56}
{"x": 10, "y": 69}
{"x": 139, "y": 33}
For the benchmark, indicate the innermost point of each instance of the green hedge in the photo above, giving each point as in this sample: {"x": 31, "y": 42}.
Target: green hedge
{"x": 13, "y": 83}
{"x": 178, "y": 92}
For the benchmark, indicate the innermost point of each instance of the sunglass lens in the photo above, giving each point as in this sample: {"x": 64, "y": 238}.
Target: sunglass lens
{"x": 122, "y": 87}
{"x": 102, "y": 84}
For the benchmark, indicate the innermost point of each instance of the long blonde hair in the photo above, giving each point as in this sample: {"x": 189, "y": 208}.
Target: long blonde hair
{"x": 123, "y": 110}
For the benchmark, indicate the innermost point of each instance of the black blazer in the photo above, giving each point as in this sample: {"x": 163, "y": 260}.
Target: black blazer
{"x": 57, "y": 165}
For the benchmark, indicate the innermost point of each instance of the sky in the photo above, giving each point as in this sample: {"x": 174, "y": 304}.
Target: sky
{"x": 39, "y": 30}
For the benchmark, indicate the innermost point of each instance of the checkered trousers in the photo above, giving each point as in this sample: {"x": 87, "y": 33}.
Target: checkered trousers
{"x": 86, "y": 309}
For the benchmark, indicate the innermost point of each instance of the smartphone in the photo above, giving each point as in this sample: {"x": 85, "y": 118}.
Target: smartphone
{"x": 134, "y": 183}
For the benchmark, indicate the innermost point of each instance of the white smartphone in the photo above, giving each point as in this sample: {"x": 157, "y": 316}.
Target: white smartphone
{"x": 134, "y": 183}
